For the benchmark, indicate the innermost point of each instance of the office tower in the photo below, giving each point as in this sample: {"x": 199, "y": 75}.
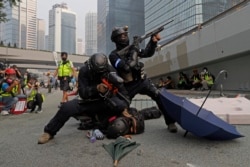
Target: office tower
{"x": 20, "y": 30}
{"x": 79, "y": 46}
{"x": 40, "y": 34}
{"x": 186, "y": 14}
{"x": 62, "y": 29}
{"x": 90, "y": 33}
{"x": 46, "y": 42}
{"x": 102, "y": 8}
{"x": 113, "y": 13}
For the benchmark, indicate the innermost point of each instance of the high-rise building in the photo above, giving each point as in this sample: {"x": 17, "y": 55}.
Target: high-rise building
{"x": 184, "y": 13}
{"x": 46, "y": 42}
{"x": 21, "y": 29}
{"x": 90, "y": 33}
{"x": 62, "y": 29}
{"x": 40, "y": 34}
{"x": 102, "y": 8}
{"x": 113, "y": 13}
{"x": 79, "y": 46}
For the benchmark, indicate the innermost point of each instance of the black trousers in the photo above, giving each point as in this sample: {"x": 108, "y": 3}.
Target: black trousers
{"x": 38, "y": 100}
{"x": 75, "y": 108}
{"x": 146, "y": 87}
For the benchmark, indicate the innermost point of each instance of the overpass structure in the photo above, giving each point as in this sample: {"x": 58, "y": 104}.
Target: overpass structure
{"x": 222, "y": 43}
{"x": 34, "y": 59}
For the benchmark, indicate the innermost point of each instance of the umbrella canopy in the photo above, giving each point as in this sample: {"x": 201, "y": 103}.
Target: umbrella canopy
{"x": 202, "y": 124}
{"x": 121, "y": 147}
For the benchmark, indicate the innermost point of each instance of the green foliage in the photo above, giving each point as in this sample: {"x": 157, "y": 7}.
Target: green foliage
{"x": 11, "y": 3}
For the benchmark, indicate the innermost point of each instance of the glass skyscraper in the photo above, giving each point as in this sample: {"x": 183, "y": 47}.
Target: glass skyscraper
{"x": 90, "y": 33}
{"x": 21, "y": 28}
{"x": 102, "y": 10}
{"x": 186, "y": 14}
{"x": 62, "y": 29}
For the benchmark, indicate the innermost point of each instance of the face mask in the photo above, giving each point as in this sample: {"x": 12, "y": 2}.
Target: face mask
{"x": 64, "y": 58}
{"x": 9, "y": 81}
{"x": 25, "y": 76}
{"x": 205, "y": 70}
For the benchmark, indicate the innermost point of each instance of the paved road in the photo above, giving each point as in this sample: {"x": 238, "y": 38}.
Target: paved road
{"x": 70, "y": 147}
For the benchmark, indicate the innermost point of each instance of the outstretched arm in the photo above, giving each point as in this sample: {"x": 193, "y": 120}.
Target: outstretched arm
{"x": 151, "y": 46}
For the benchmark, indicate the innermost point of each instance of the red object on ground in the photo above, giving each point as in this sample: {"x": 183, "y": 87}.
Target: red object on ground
{"x": 20, "y": 107}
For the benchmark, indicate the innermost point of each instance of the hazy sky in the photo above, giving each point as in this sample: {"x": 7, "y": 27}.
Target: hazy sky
{"x": 80, "y": 7}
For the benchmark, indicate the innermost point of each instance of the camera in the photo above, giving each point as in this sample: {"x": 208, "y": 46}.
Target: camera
{"x": 36, "y": 85}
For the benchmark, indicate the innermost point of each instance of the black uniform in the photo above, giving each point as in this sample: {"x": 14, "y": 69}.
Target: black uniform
{"x": 90, "y": 104}
{"x": 142, "y": 85}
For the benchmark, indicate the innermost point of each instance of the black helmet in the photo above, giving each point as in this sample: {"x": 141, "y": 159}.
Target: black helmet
{"x": 118, "y": 31}
{"x": 119, "y": 127}
{"x": 99, "y": 63}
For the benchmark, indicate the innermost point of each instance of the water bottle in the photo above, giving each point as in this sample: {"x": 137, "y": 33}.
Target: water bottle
{"x": 92, "y": 137}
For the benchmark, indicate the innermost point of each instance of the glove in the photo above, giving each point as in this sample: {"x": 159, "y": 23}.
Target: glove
{"x": 102, "y": 88}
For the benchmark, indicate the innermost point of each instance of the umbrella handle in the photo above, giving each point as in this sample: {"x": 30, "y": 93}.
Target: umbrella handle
{"x": 115, "y": 163}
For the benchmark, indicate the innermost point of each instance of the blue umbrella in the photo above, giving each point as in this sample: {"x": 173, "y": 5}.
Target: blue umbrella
{"x": 198, "y": 121}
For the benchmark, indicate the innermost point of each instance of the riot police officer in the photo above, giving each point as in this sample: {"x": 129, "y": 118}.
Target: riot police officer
{"x": 92, "y": 99}
{"x": 127, "y": 66}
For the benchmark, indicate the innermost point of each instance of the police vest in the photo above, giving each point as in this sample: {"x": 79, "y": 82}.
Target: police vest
{"x": 65, "y": 69}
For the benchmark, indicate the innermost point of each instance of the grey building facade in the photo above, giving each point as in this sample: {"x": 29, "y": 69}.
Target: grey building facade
{"x": 186, "y": 14}
{"x": 119, "y": 13}
{"x": 62, "y": 29}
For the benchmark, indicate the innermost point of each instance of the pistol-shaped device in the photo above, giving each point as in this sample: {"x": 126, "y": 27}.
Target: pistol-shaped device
{"x": 113, "y": 82}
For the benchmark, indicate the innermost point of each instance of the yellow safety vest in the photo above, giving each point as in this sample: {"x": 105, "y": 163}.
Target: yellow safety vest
{"x": 196, "y": 79}
{"x": 7, "y": 94}
{"x": 33, "y": 95}
{"x": 209, "y": 79}
{"x": 65, "y": 69}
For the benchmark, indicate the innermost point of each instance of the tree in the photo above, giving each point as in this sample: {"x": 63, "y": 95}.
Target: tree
{"x": 2, "y": 14}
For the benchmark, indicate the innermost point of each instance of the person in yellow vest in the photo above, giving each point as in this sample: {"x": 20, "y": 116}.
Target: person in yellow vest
{"x": 64, "y": 72}
{"x": 207, "y": 79}
{"x": 10, "y": 87}
{"x": 195, "y": 80}
{"x": 34, "y": 96}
